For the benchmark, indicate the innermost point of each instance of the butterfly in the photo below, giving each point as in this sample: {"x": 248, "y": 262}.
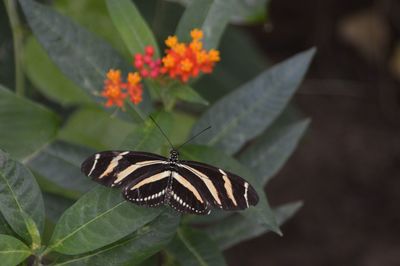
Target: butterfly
{"x": 152, "y": 180}
{"x": 187, "y": 186}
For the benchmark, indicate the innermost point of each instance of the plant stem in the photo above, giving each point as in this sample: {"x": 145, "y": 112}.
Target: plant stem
{"x": 16, "y": 28}
{"x": 45, "y": 252}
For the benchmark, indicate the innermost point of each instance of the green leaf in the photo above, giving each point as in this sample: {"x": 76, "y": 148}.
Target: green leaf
{"x": 33, "y": 231}
{"x": 5, "y": 227}
{"x": 80, "y": 55}
{"x": 270, "y": 152}
{"x": 162, "y": 16}
{"x": 236, "y": 229}
{"x": 248, "y": 111}
{"x": 214, "y": 217}
{"x": 131, "y": 25}
{"x": 249, "y": 11}
{"x": 27, "y": 126}
{"x": 212, "y": 16}
{"x": 19, "y": 196}
{"x": 50, "y": 187}
{"x": 261, "y": 213}
{"x": 286, "y": 211}
{"x": 152, "y": 261}
{"x": 183, "y": 123}
{"x": 98, "y": 218}
{"x": 135, "y": 248}
{"x": 84, "y": 126}
{"x": 12, "y": 251}
{"x": 55, "y": 206}
{"x": 48, "y": 79}
{"x": 86, "y": 12}
{"x": 194, "y": 16}
{"x": 147, "y": 137}
{"x": 60, "y": 164}
{"x": 194, "y": 247}
{"x": 187, "y": 94}
{"x": 229, "y": 73}
{"x": 243, "y": 11}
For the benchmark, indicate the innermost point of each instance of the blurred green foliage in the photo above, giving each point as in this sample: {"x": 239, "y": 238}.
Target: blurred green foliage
{"x": 53, "y": 213}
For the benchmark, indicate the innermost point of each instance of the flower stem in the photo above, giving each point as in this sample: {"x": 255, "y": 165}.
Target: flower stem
{"x": 16, "y": 28}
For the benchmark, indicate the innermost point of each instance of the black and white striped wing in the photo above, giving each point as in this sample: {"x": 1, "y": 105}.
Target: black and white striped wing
{"x": 169, "y": 187}
{"x": 219, "y": 188}
{"x": 119, "y": 168}
{"x": 185, "y": 196}
{"x": 150, "y": 189}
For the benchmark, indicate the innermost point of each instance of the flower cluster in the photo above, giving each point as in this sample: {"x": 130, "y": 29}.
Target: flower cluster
{"x": 182, "y": 62}
{"x": 147, "y": 66}
{"x": 116, "y": 91}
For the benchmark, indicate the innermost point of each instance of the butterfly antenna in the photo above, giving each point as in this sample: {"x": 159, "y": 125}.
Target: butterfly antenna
{"x": 180, "y": 146}
{"x": 162, "y": 132}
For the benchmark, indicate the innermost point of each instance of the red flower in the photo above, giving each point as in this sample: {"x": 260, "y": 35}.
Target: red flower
{"x": 147, "y": 66}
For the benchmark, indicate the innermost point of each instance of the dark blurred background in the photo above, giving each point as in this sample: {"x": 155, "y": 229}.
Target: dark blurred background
{"x": 347, "y": 168}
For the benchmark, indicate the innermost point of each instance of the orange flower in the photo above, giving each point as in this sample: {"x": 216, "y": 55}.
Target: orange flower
{"x": 201, "y": 57}
{"x": 186, "y": 65}
{"x": 213, "y": 55}
{"x": 180, "y": 49}
{"x": 168, "y": 61}
{"x": 196, "y": 34}
{"x": 181, "y": 61}
{"x": 134, "y": 78}
{"x": 188, "y": 60}
{"x": 171, "y": 41}
{"x": 115, "y": 91}
{"x": 134, "y": 87}
{"x": 196, "y": 45}
{"x": 114, "y": 76}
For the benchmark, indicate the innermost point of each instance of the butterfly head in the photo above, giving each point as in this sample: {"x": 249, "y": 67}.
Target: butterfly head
{"x": 173, "y": 155}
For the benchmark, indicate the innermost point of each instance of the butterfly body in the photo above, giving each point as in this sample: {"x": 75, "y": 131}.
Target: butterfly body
{"x": 151, "y": 180}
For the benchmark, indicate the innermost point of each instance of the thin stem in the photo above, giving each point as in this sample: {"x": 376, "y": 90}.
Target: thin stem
{"x": 16, "y": 28}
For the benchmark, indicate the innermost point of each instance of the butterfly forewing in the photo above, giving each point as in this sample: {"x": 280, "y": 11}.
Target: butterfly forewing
{"x": 221, "y": 188}
{"x": 119, "y": 168}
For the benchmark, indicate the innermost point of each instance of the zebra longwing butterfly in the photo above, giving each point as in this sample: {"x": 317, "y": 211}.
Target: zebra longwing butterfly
{"x": 150, "y": 180}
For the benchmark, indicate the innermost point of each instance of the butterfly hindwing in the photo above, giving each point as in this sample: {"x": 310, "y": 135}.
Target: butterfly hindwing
{"x": 150, "y": 189}
{"x": 119, "y": 168}
{"x": 221, "y": 188}
{"x": 185, "y": 196}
